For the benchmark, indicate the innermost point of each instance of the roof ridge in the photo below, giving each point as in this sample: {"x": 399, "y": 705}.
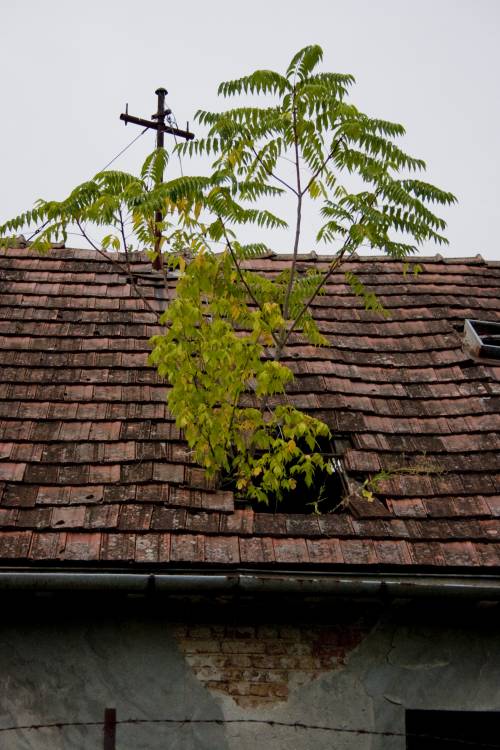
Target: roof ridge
{"x": 76, "y": 252}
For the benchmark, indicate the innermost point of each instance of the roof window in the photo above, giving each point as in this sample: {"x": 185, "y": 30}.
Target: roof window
{"x": 482, "y": 339}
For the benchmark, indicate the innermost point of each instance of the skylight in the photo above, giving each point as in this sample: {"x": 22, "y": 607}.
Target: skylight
{"x": 482, "y": 338}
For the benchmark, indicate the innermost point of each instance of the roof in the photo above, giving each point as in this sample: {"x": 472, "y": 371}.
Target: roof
{"x": 94, "y": 471}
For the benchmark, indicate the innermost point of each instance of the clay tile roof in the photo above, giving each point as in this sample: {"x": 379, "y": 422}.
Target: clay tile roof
{"x": 93, "y": 469}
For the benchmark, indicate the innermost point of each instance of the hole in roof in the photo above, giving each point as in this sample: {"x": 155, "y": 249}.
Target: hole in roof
{"x": 482, "y": 338}
{"x": 325, "y": 495}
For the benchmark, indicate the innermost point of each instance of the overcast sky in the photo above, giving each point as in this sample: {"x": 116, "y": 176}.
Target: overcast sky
{"x": 68, "y": 67}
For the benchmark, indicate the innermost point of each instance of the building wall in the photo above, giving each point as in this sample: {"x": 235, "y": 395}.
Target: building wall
{"x": 238, "y": 672}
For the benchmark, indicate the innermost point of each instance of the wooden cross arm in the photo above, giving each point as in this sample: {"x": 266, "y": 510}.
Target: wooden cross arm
{"x": 157, "y": 126}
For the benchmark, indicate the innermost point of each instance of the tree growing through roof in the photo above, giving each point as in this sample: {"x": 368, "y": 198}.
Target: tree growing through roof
{"x": 227, "y": 330}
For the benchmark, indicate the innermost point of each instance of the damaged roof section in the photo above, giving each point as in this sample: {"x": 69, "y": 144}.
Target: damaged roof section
{"x": 93, "y": 469}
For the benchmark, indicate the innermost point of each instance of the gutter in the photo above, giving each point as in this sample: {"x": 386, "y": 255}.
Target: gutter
{"x": 358, "y": 585}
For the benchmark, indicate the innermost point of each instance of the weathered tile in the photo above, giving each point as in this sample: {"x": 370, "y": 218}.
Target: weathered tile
{"x": 290, "y": 550}
{"x": 86, "y": 441}
{"x": 187, "y": 548}
{"x": 222, "y": 550}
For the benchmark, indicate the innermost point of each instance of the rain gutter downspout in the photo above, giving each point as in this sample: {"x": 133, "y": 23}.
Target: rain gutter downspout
{"x": 373, "y": 586}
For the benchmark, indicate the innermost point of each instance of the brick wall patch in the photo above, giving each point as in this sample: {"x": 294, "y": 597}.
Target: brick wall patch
{"x": 260, "y": 664}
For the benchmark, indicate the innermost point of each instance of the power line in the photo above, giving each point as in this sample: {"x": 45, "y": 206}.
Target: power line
{"x": 124, "y": 149}
{"x": 39, "y": 229}
{"x": 268, "y": 722}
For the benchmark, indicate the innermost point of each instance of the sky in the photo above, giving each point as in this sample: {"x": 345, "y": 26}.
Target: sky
{"x": 68, "y": 69}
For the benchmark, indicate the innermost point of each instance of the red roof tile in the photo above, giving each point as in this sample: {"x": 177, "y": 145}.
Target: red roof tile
{"x": 92, "y": 469}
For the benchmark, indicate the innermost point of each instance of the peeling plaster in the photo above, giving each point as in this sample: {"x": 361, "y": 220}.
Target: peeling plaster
{"x": 71, "y": 666}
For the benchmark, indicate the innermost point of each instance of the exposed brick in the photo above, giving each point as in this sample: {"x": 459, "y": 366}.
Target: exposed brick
{"x": 199, "y": 631}
{"x": 251, "y": 646}
{"x": 263, "y": 660}
{"x": 199, "y": 646}
{"x": 239, "y": 631}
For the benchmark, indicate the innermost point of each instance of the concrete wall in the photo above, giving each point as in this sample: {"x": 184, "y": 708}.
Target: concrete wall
{"x": 336, "y": 664}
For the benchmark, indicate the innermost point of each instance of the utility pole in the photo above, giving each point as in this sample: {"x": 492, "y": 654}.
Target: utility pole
{"x": 161, "y": 129}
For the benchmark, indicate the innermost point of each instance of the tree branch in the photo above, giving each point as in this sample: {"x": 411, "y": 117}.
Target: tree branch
{"x": 316, "y": 174}
{"x": 333, "y": 267}
{"x": 270, "y": 173}
{"x": 242, "y": 276}
{"x": 298, "y": 220}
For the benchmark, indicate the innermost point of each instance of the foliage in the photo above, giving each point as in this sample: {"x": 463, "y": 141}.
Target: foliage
{"x": 211, "y": 353}
{"x": 227, "y": 331}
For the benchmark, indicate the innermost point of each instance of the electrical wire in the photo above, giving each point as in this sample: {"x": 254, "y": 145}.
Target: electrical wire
{"x": 124, "y": 149}
{"x": 39, "y": 229}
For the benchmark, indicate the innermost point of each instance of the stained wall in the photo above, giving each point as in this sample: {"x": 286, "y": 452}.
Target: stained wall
{"x": 238, "y": 675}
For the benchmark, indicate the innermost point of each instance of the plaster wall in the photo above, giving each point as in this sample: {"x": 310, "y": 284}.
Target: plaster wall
{"x": 65, "y": 662}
